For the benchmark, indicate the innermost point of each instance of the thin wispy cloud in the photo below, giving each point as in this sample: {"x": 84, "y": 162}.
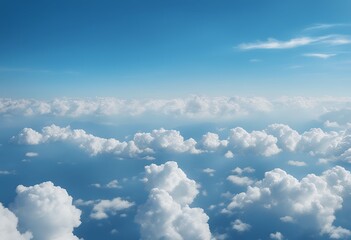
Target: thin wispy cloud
{"x": 319, "y": 55}
{"x": 272, "y": 43}
{"x": 324, "y": 26}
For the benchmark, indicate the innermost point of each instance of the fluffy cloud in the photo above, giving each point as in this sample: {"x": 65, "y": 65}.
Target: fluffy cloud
{"x": 240, "y": 171}
{"x": 259, "y": 141}
{"x": 276, "y": 236}
{"x": 313, "y": 197}
{"x": 105, "y": 207}
{"x": 209, "y": 171}
{"x": 211, "y": 141}
{"x": 46, "y": 211}
{"x": 142, "y": 143}
{"x": 166, "y": 213}
{"x": 240, "y": 226}
{"x": 241, "y": 181}
{"x": 8, "y": 226}
{"x": 287, "y": 137}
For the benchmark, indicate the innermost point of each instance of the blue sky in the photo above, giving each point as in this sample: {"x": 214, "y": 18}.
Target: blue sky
{"x": 120, "y": 48}
{"x": 179, "y": 120}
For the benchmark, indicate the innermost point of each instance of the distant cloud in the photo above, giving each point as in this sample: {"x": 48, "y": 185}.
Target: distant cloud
{"x": 276, "y": 236}
{"x": 241, "y": 181}
{"x": 31, "y": 154}
{"x": 319, "y": 55}
{"x": 240, "y": 226}
{"x": 103, "y": 208}
{"x": 209, "y": 171}
{"x": 297, "y": 163}
{"x": 272, "y": 43}
{"x": 166, "y": 213}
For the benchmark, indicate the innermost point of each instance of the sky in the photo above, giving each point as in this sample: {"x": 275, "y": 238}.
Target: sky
{"x": 177, "y": 120}
{"x": 120, "y": 48}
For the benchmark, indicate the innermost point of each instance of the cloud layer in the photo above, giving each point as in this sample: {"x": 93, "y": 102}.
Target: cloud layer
{"x": 194, "y": 107}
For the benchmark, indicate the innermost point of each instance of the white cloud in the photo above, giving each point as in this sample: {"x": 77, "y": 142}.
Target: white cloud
{"x": 287, "y": 219}
{"x": 8, "y": 226}
{"x": 240, "y": 226}
{"x": 46, "y": 211}
{"x": 5, "y": 172}
{"x": 276, "y": 236}
{"x": 31, "y": 154}
{"x": 296, "y": 163}
{"x": 319, "y": 55}
{"x": 315, "y": 198}
{"x": 272, "y": 43}
{"x": 258, "y": 141}
{"x": 287, "y": 137}
{"x": 241, "y": 181}
{"x": 113, "y": 184}
{"x": 103, "y": 208}
{"x": 211, "y": 141}
{"x": 240, "y": 171}
{"x": 229, "y": 154}
{"x": 209, "y": 171}
{"x": 142, "y": 143}
{"x": 166, "y": 214}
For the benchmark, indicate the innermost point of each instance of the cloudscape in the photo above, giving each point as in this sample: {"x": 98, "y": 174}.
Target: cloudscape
{"x": 182, "y": 120}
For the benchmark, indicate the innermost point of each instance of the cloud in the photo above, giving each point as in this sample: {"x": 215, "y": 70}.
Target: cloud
{"x": 166, "y": 213}
{"x": 287, "y": 219}
{"x": 190, "y": 107}
{"x": 209, "y": 171}
{"x": 240, "y": 226}
{"x": 312, "y": 200}
{"x": 240, "y": 171}
{"x": 272, "y": 43}
{"x": 276, "y": 236}
{"x": 211, "y": 141}
{"x": 258, "y": 141}
{"x": 319, "y": 55}
{"x": 46, "y": 211}
{"x": 8, "y": 226}
{"x": 241, "y": 181}
{"x": 287, "y": 137}
{"x": 229, "y": 154}
{"x": 103, "y": 208}
{"x": 141, "y": 144}
{"x": 31, "y": 154}
{"x": 296, "y": 163}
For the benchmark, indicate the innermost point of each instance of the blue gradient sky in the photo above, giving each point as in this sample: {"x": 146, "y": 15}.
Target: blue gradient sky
{"x": 172, "y": 48}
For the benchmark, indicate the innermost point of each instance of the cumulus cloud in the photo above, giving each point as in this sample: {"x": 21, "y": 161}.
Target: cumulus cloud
{"x": 313, "y": 197}
{"x": 209, "y": 171}
{"x": 258, "y": 141}
{"x": 276, "y": 236}
{"x": 103, "y": 208}
{"x": 46, "y": 211}
{"x": 8, "y": 226}
{"x": 166, "y": 213}
{"x": 240, "y": 226}
{"x": 240, "y": 171}
{"x": 141, "y": 144}
{"x": 241, "y": 181}
{"x": 211, "y": 141}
